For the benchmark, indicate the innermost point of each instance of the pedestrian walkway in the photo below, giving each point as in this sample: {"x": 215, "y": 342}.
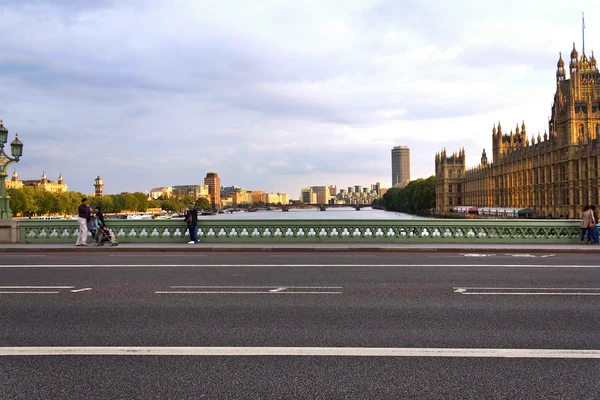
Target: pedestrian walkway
{"x": 309, "y": 247}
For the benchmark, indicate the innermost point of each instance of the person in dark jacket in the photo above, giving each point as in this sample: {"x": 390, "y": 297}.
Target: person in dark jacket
{"x": 100, "y": 215}
{"x": 191, "y": 217}
{"x": 593, "y": 232}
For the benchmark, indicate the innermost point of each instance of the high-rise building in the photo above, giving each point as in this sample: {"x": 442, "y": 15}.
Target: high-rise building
{"x": 214, "y": 189}
{"x": 555, "y": 174}
{"x": 400, "y": 166}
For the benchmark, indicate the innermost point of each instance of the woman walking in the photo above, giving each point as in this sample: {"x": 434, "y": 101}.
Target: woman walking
{"x": 587, "y": 224}
{"x": 191, "y": 217}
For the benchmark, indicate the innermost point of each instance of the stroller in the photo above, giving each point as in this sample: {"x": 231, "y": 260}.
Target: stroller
{"x": 104, "y": 235}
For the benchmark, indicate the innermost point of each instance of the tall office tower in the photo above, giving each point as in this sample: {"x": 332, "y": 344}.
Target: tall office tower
{"x": 214, "y": 189}
{"x": 400, "y": 166}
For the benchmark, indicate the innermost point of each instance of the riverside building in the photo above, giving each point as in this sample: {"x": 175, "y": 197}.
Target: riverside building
{"x": 555, "y": 174}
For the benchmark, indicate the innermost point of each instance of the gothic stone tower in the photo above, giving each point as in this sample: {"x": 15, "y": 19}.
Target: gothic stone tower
{"x": 449, "y": 173}
{"x": 574, "y": 130}
{"x": 98, "y": 186}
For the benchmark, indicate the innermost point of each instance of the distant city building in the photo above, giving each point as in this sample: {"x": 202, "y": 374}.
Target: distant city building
{"x": 226, "y": 191}
{"x": 555, "y": 174}
{"x": 322, "y": 194}
{"x": 256, "y": 196}
{"x": 307, "y": 195}
{"x": 333, "y": 191}
{"x": 239, "y": 197}
{"x": 214, "y": 189}
{"x": 194, "y": 191}
{"x": 400, "y": 166}
{"x": 44, "y": 183}
{"x": 356, "y": 195}
{"x": 277, "y": 198}
{"x": 14, "y": 183}
{"x": 98, "y": 187}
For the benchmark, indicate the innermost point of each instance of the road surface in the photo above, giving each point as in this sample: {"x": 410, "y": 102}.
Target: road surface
{"x": 299, "y": 326}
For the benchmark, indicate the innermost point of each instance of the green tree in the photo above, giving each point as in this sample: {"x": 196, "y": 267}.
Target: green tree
{"x": 203, "y": 204}
{"x": 17, "y": 201}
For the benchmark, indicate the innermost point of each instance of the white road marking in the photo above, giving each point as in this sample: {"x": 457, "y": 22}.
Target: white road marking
{"x": 527, "y": 291}
{"x": 532, "y": 294}
{"x": 240, "y": 292}
{"x": 152, "y": 255}
{"x": 300, "y": 351}
{"x": 13, "y": 292}
{"x": 477, "y": 255}
{"x": 255, "y": 287}
{"x": 546, "y": 266}
{"x": 521, "y": 255}
{"x": 277, "y": 290}
{"x": 524, "y": 288}
{"x": 81, "y": 290}
{"x": 37, "y": 287}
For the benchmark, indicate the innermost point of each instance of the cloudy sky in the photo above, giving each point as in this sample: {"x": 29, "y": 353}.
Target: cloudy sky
{"x": 273, "y": 94}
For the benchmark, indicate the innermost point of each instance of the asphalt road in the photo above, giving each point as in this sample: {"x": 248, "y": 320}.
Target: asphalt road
{"x": 421, "y": 301}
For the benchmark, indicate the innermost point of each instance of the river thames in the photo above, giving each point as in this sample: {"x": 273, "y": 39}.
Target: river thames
{"x": 330, "y": 213}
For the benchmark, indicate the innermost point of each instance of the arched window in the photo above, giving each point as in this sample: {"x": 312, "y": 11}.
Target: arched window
{"x": 581, "y": 134}
{"x": 597, "y": 131}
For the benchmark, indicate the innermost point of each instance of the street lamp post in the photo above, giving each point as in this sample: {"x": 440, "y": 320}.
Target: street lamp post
{"x": 16, "y": 149}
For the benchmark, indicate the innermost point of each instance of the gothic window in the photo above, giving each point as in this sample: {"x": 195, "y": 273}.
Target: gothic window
{"x": 597, "y": 131}
{"x": 580, "y": 134}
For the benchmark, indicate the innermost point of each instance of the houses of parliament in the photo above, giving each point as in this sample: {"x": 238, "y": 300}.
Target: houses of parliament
{"x": 555, "y": 174}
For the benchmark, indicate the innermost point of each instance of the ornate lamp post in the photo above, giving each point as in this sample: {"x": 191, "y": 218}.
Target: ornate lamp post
{"x": 16, "y": 149}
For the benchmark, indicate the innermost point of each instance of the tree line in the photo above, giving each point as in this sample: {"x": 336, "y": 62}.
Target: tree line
{"x": 32, "y": 201}
{"x": 418, "y": 197}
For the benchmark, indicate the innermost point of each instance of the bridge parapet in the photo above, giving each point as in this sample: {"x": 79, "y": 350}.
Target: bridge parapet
{"x": 315, "y": 231}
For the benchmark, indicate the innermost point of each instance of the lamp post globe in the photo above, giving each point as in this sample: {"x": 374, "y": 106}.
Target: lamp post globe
{"x": 16, "y": 147}
{"x": 3, "y": 134}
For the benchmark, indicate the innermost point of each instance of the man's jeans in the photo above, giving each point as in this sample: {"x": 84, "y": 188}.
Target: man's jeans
{"x": 193, "y": 233}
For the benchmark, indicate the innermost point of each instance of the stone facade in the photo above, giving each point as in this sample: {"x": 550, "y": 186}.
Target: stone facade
{"x": 44, "y": 183}
{"x": 555, "y": 173}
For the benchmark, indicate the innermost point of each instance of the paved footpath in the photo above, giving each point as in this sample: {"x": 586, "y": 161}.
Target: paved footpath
{"x": 310, "y": 247}
{"x": 156, "y": 325}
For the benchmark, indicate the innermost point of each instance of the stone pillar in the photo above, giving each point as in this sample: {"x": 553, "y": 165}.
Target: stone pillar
{"x": 9, "y": 231}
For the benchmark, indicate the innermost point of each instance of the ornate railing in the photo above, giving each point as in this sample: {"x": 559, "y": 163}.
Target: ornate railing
{"x": 307, "y": 231}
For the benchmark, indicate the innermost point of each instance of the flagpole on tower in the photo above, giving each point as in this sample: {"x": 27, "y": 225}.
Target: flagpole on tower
{"x": 583, "y": 30}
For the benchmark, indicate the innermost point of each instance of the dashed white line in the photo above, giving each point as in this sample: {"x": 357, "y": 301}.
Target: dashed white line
{"x": 14, "y": 292}
{"x": 37, "y": 287}
{"x": 81, "y": 290}
{"x": 239, "y": 292}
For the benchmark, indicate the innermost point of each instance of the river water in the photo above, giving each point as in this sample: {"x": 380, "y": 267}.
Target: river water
{"x": 330, "y": 213}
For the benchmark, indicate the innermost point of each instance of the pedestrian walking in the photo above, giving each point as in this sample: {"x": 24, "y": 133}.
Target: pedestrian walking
{"x": 191, "y": 217}
{"x": 82, "y": 219}
{"x": 587, "y": 224}
{"x": 593, "y": 238}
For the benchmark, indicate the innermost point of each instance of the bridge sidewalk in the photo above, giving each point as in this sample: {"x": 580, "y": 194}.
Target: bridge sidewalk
{"x": 310, "y": 247}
